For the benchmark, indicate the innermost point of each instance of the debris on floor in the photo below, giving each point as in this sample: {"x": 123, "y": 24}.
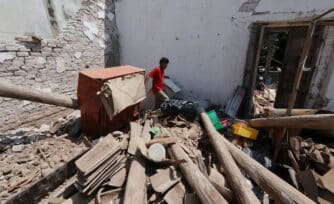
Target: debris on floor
{"x": 28, "y": 154}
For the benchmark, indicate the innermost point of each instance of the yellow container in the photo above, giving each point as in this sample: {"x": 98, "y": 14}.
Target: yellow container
{"x": 244, "y": 131}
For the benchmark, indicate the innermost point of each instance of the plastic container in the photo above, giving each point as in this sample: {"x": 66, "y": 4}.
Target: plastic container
{"x": 215, "y": 120}
{"x": 244, "y": 131}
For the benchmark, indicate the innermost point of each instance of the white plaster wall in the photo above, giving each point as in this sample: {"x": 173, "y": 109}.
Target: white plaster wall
{"x": 30, "y": 16}
{"x": 21, "y": 16}
{"x": 206, "y": 41}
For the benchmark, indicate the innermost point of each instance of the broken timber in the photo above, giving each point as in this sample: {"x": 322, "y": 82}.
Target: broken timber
{"x": 206, "y": 192}
{"x": 321, "y": 121}
{"x": 135, "y": 191}
{"x": 243, "y": 192}
{"x": 277, "y": 188}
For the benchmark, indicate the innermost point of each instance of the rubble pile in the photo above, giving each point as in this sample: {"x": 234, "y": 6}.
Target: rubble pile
{"x": 29, "y": 154}
{"x": 150, "y": 162}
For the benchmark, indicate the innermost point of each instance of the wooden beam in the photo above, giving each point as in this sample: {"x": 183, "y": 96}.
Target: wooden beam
{"x": 203, "y": 188}
{"x": 23, "y": 93}
{"x": 278, "y": 189}
{"x": 320, "y": 122}
{"x": 280, "y": 112}
{"x": 241, "y": 189}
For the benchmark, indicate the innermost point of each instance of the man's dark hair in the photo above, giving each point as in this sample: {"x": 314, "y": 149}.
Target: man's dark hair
{"x": 164, "y": 60}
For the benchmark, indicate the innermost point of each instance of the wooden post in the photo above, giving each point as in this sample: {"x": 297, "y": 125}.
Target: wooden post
{"x": 22, "y": 93}
{"x": 301, "y": 65}
{"x": 255, "y": 64}
{"x": 320, "y": 122}
{"x": 242, "y": 191}
{"x": 203, "y": 188}
{"x": 277, "y": 188}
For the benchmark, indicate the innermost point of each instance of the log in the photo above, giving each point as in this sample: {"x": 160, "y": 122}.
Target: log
{"x": 281, "y": 112}
{"x": 242, "y": 190}
{"x": 278, "y": 189}
{"x": 203, "y": 188}
{"x": 321, "y": 122}
{"x": 23, "y": 93}
{"x": 135, "y": 191}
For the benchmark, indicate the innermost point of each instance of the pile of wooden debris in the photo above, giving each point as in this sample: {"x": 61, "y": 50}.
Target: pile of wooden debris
{"x": 167, "y": 159}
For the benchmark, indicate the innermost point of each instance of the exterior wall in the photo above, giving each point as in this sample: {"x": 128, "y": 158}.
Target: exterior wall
{"x": 42, "y": 17}
{"x": 53, "y": 64}
{"x": 206, "y": 41}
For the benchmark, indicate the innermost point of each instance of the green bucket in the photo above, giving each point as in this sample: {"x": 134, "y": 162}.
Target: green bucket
{"x": 215, "y": 120}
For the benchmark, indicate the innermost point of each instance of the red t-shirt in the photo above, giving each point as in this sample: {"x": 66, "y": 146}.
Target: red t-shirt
{"x": 157, "y": 75}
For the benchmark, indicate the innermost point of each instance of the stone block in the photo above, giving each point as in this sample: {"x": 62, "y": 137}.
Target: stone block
{"x": 22, "y": 54}
{"x": 26, "y": 67}
{"x": 36, "y": 54}
{"x": 46, "y": 49}
{"x": 18, "y": 62}
{"x": 52, "y": 44}
{"x": 24, "y": 49}
{"x": 46, "y": 54}
{"x": 12, "y": 48}
{"x": 57, "y": 50}
{"x": 40, "y": 66}
{"x": 13, "y": 68}
{"x": 20, "y": 73}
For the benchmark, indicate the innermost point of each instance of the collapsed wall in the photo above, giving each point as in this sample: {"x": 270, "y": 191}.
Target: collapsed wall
{"x": 88, "y": 41}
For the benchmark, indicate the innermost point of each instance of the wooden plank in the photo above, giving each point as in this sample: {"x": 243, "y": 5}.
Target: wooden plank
{"x": 135, "y": 191}
{"x": 146, "y": 130}
{"x": 136, "y": 131}
{"x": 42, "y": 187}
{"x": 97, "y": 155}
{"x": 242, "y": 191}
{"x": 176, "y": 194}
{"x": 107, "y": 164}
{"x": 163, "y": 141}
{"x": 164, "y": 179}
{"x": 118, "y": 179}
{"x": 321, "y": 122}
{"x": 206, "y": 192}
{"x": 233, "y": 105}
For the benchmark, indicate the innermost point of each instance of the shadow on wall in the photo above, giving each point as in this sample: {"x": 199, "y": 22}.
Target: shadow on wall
{"x": 111, "y": 50}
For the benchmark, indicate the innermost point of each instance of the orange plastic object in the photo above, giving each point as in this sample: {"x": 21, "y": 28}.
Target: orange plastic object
{"x": 244, "y": 131}
{"x": 94, "y": 119}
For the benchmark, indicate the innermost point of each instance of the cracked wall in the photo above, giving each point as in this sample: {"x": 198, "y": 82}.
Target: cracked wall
{"x": 53, "y": 64}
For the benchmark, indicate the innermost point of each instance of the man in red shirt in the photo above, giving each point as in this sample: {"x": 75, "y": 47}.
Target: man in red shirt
{"x": 157, "y": 75}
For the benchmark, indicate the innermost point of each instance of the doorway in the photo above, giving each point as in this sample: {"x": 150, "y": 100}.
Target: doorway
{"x": 271, "y": 79}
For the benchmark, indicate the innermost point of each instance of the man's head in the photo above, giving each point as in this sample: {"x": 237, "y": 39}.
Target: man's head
{"x": 163, "y": 63}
